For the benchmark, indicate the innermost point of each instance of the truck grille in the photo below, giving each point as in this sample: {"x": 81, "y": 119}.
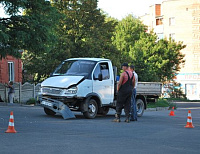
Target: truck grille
{"x": 52, "y": 91}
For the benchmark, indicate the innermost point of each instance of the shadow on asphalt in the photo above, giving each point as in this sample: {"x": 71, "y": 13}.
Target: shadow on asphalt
{"x": 78, "y": 116}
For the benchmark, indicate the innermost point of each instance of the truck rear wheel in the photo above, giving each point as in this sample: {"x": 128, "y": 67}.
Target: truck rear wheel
{"x": 48, "y": 111}
{"x": 92, "y": 109}
{"x": 140, "y": 107}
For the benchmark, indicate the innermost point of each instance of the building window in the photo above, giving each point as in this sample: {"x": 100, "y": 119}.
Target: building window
{"x": 159, "y": 22}
{"x": 11, "y": 72}
{"x": 172, "y": 36}
{"x": 171, "y": 21}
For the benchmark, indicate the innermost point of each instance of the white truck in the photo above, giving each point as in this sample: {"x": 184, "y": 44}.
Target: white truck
{"x": 88, "y": 85}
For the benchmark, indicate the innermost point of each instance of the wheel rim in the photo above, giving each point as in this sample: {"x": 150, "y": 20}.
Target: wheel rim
{"x": 92, "y": 109}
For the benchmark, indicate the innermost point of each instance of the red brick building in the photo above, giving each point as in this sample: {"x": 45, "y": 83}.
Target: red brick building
{"x": 10, "y": 70}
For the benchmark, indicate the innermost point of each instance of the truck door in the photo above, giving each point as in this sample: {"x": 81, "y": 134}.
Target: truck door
{"x": 103, "y": 88}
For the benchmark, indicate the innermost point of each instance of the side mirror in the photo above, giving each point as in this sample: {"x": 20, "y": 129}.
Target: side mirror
{"x": 100, "y": 77}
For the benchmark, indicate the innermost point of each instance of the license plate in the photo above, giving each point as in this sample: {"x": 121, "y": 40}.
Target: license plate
{"x": 46, "y": 103}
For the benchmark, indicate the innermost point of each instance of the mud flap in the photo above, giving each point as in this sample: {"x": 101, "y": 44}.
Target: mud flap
{"x": 57, "y": 106}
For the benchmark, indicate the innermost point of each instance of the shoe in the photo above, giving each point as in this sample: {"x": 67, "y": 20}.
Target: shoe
{"x": 116, "y": 120}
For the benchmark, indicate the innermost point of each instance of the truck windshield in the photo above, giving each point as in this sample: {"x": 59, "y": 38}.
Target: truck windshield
{"x": 75, "y": 68}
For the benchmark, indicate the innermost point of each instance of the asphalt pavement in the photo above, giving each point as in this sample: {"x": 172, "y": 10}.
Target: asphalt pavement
{"x": 154, "y": 133}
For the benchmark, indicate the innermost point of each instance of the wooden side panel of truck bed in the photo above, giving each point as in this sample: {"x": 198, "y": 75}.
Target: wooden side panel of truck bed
{"x": 149, "y": 88}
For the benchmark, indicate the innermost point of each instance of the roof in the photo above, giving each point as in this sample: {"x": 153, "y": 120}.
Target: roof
{"x": 91, "y": 59}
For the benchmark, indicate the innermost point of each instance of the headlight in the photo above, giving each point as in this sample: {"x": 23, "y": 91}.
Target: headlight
{"x": 72, "y": 90}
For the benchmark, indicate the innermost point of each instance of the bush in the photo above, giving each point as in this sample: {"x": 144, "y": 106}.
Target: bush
{"x": 31, "y": 101}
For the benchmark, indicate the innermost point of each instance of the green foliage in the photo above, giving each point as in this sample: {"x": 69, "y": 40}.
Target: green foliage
{"x": 32, "y": 31}
{"x": 86, "y": 28}
{"x": 127, "y": 32}
{"x": 160, "y": 103}
{"x": 83, "y": 31}
{"x": 31, "y": 101}
{"x": 141, "y": 55}
{"x": 156, "y": 60}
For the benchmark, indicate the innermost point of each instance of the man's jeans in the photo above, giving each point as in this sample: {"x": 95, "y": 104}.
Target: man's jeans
{"x": 11, "y": 97}
{"x": 133, "y": 105}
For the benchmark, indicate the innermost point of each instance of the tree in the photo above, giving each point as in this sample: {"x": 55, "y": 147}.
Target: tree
{"x": 157, "y": 60}
{"x": 87, "y": 28}
{"x": 127, "y": 32}
{"x": 32, "y": 31}
{"x": 140, "y": 54}
{"x": 83, "y": 31}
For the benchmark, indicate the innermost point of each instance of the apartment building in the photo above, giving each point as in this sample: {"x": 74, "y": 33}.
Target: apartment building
{"x": 180, "y": 20}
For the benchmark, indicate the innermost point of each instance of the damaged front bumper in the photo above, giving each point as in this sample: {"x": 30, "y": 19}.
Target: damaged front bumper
{"x": 57, "y": 107}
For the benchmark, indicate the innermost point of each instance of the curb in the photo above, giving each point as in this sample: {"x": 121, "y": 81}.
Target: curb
{"x": 151, "y": 109}
{"x": 157, "y": 109}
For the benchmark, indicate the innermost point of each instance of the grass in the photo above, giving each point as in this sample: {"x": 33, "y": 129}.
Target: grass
{"x": 159, "y": 103}
{"x": 162, "y": 102}
{"x": 31, "y": 101}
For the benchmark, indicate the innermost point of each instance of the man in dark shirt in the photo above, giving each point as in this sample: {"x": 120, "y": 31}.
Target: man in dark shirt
{"x": 124, "y": 88}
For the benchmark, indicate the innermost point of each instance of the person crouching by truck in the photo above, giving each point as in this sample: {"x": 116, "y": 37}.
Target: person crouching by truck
{"x": 133, "y": 98}
{"x": 11, "y": 91}
{"x": 124, "y": 88}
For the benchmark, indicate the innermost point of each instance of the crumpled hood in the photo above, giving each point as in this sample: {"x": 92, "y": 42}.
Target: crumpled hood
{"x": 61, "y": 81}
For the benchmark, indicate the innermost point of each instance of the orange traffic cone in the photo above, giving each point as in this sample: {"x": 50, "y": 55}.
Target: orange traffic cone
{"x": 11, "y": 128}
{"x": 172, "y": 112}
{"x": 189, "y": 121}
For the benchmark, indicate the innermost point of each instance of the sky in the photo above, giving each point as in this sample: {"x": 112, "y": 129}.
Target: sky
{"x": 121, "y": 8}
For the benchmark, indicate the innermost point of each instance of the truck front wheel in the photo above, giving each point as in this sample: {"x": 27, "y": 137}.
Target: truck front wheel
{"x": 48, "y": 111}
{"x": 140, "y": 107}
{"x": 92, "y": 109}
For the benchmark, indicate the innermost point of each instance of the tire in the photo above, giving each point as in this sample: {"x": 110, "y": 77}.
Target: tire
{"x": 103, "y": 111}
{"x": 49, "y": 112}
{"x": 140, "y": 107}
{"x": 92, "y": 109}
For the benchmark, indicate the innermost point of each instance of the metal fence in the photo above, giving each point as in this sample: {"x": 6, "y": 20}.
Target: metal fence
{"x": 23, "y": 92}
